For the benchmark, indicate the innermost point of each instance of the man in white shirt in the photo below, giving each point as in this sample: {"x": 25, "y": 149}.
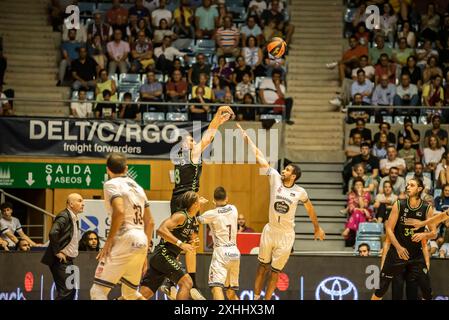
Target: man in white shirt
{"x": 406, "y": 92}
{"x": 63, "y": 248}
{"x": 118, "y": 51}
{"x": 257, "y": 7}
{"x": 392, "y": 160}
{"x": 81, "y": 108}
{"x": 10, "y": 225}
{"x": 161, "y": 13}
{"x": 166, "y": 54}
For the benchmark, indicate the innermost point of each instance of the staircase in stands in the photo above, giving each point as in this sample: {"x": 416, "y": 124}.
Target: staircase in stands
{"x": 31, "y": 48}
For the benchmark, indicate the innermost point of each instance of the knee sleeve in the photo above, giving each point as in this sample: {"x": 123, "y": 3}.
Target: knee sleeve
{"x": 383, "y": 285}
{"x": 98, "y": 292}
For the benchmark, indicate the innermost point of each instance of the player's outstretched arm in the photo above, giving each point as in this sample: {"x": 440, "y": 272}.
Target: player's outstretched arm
{"x": 390, "y": 225}
{"x": 118, "y": 216}
{"x": 259, "y": 155}
{"x": 168, "y": 224}
{"x": 318, "y": 231}
{"x": 434, "y": 220}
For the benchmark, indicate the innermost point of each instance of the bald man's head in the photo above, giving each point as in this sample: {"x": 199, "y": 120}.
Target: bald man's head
{"x": 241, "y": 220}
{"x": 75, "y": 203}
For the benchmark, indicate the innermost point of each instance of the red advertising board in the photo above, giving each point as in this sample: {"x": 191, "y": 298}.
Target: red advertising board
{"x": 247, "y": 242}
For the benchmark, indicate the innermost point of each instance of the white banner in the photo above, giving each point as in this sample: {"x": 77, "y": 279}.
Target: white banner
{"x": 97, "y": 219}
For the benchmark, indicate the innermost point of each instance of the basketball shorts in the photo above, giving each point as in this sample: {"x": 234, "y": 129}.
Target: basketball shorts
{"x": 275, "y": 247}
{"x": 125, "y": 261}
{"x": 224, "y": 268}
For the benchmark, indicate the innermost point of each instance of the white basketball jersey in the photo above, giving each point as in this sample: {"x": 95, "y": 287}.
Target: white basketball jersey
{"x": 134, "y": 197}
{"x": 223, "y": 224}
{"x": 283, "y": 202}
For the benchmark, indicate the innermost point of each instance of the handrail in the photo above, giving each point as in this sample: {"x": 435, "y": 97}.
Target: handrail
{"x": 396, "y": 107}
{"x": 27, "y": 203}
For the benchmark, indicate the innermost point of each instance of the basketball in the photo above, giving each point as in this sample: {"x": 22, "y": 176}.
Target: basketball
{"x": 276, "y": 47}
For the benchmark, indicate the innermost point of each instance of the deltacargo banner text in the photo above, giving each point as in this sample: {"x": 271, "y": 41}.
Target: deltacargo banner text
{"x": 92, "y": 137}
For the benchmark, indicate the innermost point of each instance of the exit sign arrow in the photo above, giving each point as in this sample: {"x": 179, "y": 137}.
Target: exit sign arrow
{"x": 30, "y": 180}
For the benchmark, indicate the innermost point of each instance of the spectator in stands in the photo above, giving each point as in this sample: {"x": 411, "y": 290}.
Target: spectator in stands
{"x": 161, "y": 13}
{"x": 362, "y": 86}
{"x": 430, "y": 23}
{"x": 397, "y": 183}
{"x": 199, "y": 67}
{"x": 89, "y": 242}
{"x": 10, "y": 225}
{"x": 380, "y": 147}
{"x": 144, "y": 26}
{"x": 446, "y": 96}
{"x": 418, "y": 172}
{"x": 272, "y": 91}
{"x": 97, "y": 50}
{"x": 385, "y": 67}
{"x": 228, "y": 98}
{"x": 142, "y": 54}
{"x": 414, "y": 72}
{"x": 277, "y": 15}
{"x": 433, "y": 96}
{"x": 271, "y": 64}
{"x": 408, "y": 34}
{"x": 105, "y": 83}
{"x": 23, "y": 245}
{"x": 140, "y": 11}
{"x": 360, "y": 127}
{"x": 442, "y": 170}
{"x": 163, "y": 30}
{"x": 151, "y": 91}
{"x": 376, "y": 51}
{"x": 166, "y": 54}
{"x": 256, "y": 8}
{"x": 227, "y": 39}
{"x": 441, "y": 205}
{"x": 353, "y": 149}
{"x": 246, "y": 113}
{"x": 392, "y": 160}
{"x": 55, "y": 15}
{"x": 370, "y": 162}
{"x": 105, "y": 110}
{"x": 81, "y": 33}
{"x": 129, "y": 110}
{"x": 116, "y": 13}
{"x": 206, "y": 20}
{"x": 133, "y": 28}
{"x": 360, "y": 15}
{"x": 5, "y": 105}
{"x": 177, "y": 88}
{"x": 123, "y": 27}
{"x": 199, "y": 112}
{"x": 384, "y": 202}
{"x": 84, "y": 71}
{"x": 442, "y": 43}
{"x": 244, "y": 87}
{"x": 241, "y": 69}
{"x": 406, "y": 92}
{"x": 385, "y": 127}
{"x": 100, "y": 28}
{"x": 388, "y": 23}
{"x": 433, "y": 153}
{"x": 118, "y": 51}
{"x": 383, "y": 95}
{"x": 401, "y": 54}
{"x": 431, "y": 69}
{"x": 203, "y": 83}
{"x": 224, "y": 71}
{"x": 350, "y": 59}
{"x": 424, "y": 53}
{"x": 365, "y": 66}
{"x": 364, "y": 250}
{"x": 356, "y": 110}
{"x": 242, "y": 227}
{"x": 81, "y": 108}
{"x": 437, "y": 131}
{"x": 408, "y": 131}
{"x": 362, "y": 35}
{"x": 69, "y": 52}
{"x": 183, "y": 24}
{"x": 219, "y": 88}
{"x": 369, "y": 184}
{"x": 251, "y": 29}
{"x": 222, "y": 13}
{"x": 359, "y": 210}
{"x": 253, "y": 55}
{"x": 409, "y": 154}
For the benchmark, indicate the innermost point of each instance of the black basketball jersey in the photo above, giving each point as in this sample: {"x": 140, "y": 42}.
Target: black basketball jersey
{"x": 187, "y": 176}
{"x": 182, "y": 232}
{"x": 403, "y": 232}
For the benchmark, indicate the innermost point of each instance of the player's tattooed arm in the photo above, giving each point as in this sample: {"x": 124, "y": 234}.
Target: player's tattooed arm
{"x": 259, "y": 155}
{"x": 170, "y": 223}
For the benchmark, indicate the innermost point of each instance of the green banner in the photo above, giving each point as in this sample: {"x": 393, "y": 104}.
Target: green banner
{"x": 41, "y": 175}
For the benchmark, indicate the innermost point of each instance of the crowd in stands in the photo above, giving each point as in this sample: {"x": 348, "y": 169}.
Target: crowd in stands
{"x": 173, "y": 51}
{"x": 403, "y": 61}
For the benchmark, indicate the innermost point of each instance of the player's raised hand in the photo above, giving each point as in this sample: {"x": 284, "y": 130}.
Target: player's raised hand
{"x": 105, "y": 252}
{"x": 319, "y": 234}
{"x": 414, "y": 222}
{"x": 225, "y": 113}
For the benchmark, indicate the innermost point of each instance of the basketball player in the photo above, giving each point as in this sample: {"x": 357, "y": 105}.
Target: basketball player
{"x": 225, "y": 264}
{"x": 124, "y": 255}
{"x": 406, "y": 253}
{"x": 187, "y": 178}
{"x": 175, "y": 232}
{"x": 278, "y": 234}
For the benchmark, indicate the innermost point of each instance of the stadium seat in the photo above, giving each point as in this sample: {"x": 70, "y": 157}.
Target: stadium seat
{"x": 90, "y": 95}
{"x": 86, "y": 8}
{"x": 258, "y": 81}
{"x": 370, "y": 229}
{"x": 177, "y": 116}
{"x": 277, "y": 117}
{"x": 437, "y": 193}
{"x": 103, "y": 7}
{"x": 153, "y": 116}
{"x": 74, "y": 95}
{"x": 238, "y": 13}
{"x": 400, "y": 119}
{"x": 129, "y": 78}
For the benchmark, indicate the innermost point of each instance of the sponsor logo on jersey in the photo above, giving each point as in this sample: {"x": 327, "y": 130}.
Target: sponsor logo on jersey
{"x": 281, "y": 207}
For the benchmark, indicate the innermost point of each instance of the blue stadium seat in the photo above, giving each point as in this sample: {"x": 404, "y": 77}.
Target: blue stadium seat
{"x": 234, "y": 3}
{"x": 153, "y": 116}
{"x": 129, "y": 78}
{"x": 74, "y": 95}
{"x": 177, "y": 116}
{"x": 238, "y": 13}
{"x": 437, "y": 193}
{"x": 103, "y": 7}
{"x": 400, "y": 119}
{"x": 277, "y": 117}
{"x": 90, "y": 95}
{"x": 370, "y": 229}
{"x": 86, "y": 7}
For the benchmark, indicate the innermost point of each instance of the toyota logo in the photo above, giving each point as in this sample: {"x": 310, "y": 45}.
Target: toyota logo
{"x": 336, "y": 288}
